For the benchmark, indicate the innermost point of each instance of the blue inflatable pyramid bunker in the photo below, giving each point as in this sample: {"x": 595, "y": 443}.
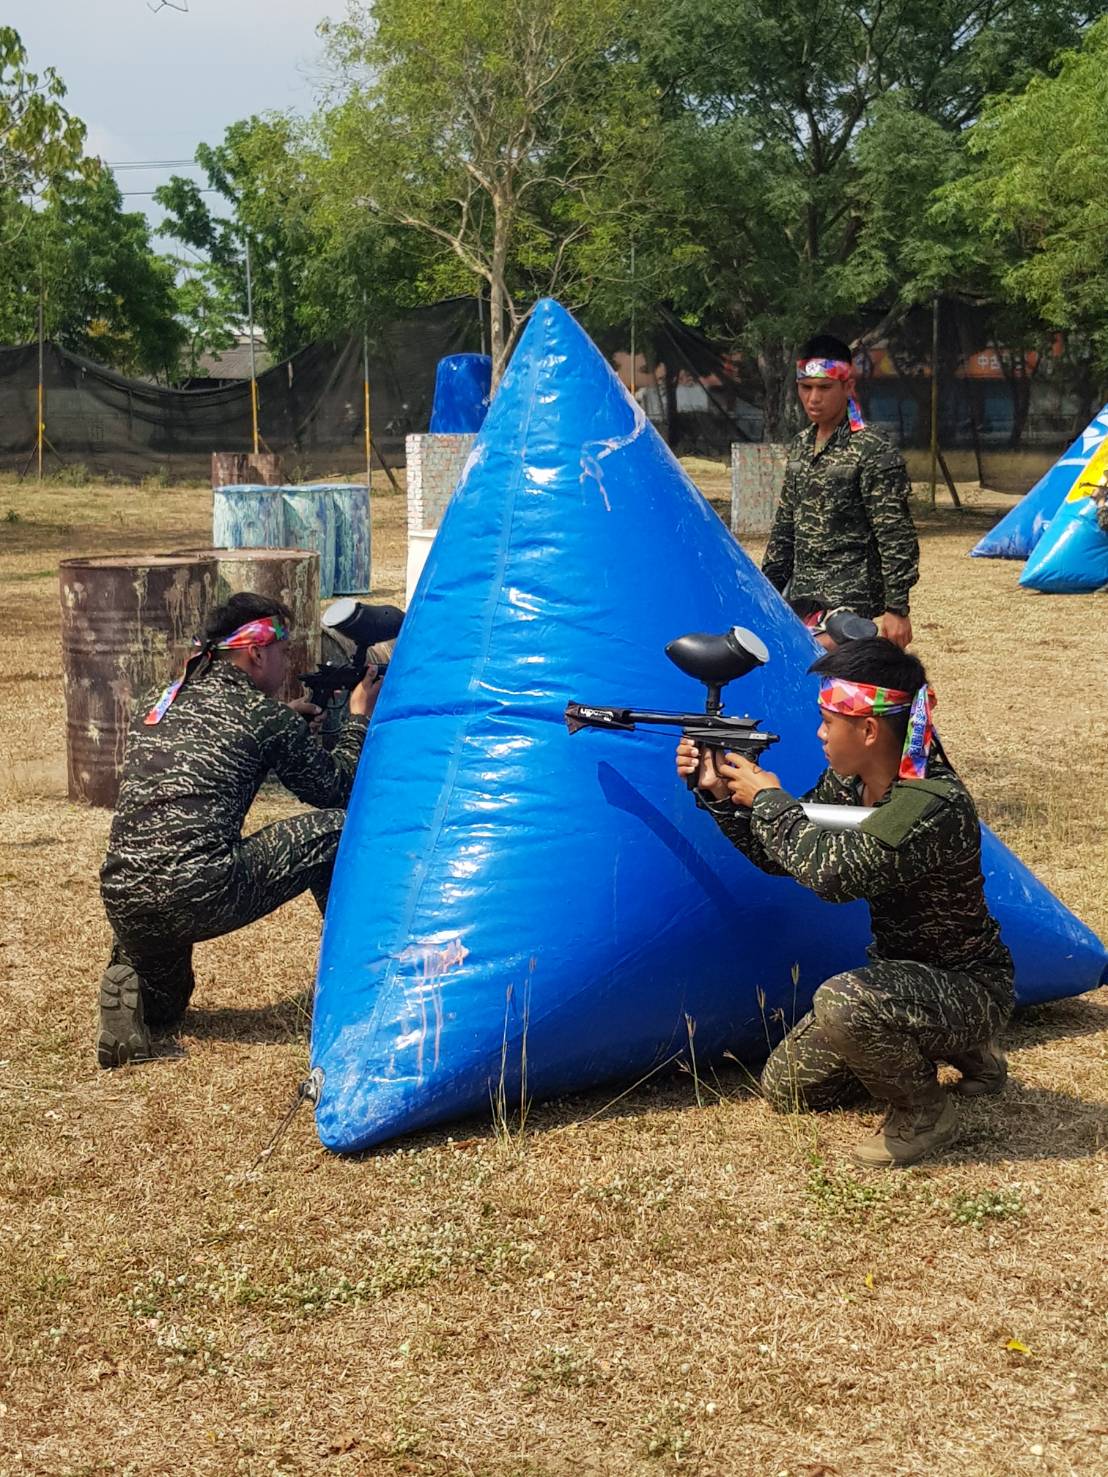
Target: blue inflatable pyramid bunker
{"x": 520, "y": 912}
{"x": 1021, "y": 528}
{"x": 1071, "y": 558}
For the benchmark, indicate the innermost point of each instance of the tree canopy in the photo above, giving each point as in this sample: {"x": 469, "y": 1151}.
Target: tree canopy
{"x": 764, "y": 169}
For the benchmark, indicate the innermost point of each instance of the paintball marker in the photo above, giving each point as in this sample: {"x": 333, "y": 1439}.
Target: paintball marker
{"x": 715, "y": 661}
{"x": 843, "y": 625}
{"x": 365, "y": 625}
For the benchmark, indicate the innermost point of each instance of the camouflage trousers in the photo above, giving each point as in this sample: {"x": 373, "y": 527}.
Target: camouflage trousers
{"x": 155, "y": 926}
{"x": 878, "y": 1031}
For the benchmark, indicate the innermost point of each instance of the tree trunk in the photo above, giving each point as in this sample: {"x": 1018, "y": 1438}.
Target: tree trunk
{"x": 778, "y": 373}
{"x": 497, "y": 287}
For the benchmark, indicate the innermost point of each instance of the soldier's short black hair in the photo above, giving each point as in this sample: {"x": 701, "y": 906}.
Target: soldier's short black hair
{"x": 239, "y": 609}
{"x": 826, "y": 346}
{"x": 880, "y": 662}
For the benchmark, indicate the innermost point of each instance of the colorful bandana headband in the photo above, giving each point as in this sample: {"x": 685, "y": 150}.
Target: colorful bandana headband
{"x": 858, "y": 699}
{"x": 262, "y": 632}
{"x": 832, "y": 369}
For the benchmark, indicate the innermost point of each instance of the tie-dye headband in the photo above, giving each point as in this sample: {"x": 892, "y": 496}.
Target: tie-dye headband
{"x": 261, "y": 632}
{"x": 859, "y": 699}
{"x": 832, "y": 369}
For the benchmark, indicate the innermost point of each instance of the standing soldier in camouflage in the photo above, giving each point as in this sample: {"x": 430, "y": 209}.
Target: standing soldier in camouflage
{"x": 938, "y": 984}
{"x": 178, "y": 868}
{"x": 842, "y": 535}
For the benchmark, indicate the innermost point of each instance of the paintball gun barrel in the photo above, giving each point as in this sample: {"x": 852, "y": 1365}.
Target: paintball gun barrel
{"x": 366, "y": 626}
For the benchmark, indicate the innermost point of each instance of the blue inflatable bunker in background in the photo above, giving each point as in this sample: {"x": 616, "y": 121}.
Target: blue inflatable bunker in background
{"x": 518, "y": 910}
{"x": 1071, "y": 558}
{"x": 463, "y": 383}
{"x": 1021, "y": 528}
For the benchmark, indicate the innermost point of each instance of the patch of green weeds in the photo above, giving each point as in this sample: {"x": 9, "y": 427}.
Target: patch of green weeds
{"x": 668, "y": 1436}
{"x": 841, "y": 1195}
{"x": 986, "y": 1206}
{"x": 560, "y": 1366}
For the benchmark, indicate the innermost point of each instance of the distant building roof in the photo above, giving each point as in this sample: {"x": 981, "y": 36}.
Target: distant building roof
{"x": 234, "y": 363}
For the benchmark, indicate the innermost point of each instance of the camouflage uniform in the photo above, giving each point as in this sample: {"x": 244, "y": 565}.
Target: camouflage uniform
{"x": 178, "y": 868}
{"x": 843, "y": 536}
{"x": 939, "y": 982}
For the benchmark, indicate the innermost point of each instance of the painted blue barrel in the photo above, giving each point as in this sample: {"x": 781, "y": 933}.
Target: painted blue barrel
{"x": 352, "y": 535}
{"x": 247, "y": 516}
{"x": 463, "y": 385}
{"x": 310, "y": 524}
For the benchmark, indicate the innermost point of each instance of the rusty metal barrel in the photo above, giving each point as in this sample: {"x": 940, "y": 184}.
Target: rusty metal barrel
{"x": 127, "y": 627}
{"x": 237, "y": 467}
{"x": 288, "y": 575}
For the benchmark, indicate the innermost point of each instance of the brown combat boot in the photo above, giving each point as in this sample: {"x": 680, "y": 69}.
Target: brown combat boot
{"x": 984, "y": 1071}
{"x": 123, "y": 1035}
{"x": 908, "y": 1134}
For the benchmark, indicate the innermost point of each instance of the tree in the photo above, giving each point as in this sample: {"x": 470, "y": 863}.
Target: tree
{"x": 805, "y": 142}
{"x": 207, "y": 311}
{"x": 40, "y": 141}
{"x": 256, "y": 170}
{"x": 1034, "y": 200}
{"x": 481, "y": 125}
{"x": 106, "y": 293}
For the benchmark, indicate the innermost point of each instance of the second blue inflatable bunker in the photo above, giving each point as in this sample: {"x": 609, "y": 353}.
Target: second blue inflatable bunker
{"x": 463, "y": 384}
{"x": 1021, "y": 528}
{"x": 1071, "y": 558}
{"x": 517, "y": 911}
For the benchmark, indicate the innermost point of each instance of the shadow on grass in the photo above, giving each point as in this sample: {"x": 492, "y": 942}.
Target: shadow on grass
{"x": 1029, "y": 1123}
{"x": 285, "y": 1020}
{"x": 1059, "y": 1020}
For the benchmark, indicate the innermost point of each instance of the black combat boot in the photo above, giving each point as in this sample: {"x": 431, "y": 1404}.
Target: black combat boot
{"x": 123, "y": 1034}
{"x": 984, "y": 1071}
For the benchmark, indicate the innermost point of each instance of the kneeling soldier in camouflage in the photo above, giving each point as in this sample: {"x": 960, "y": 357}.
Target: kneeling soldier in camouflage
{"x": 938, "y": 984}
{"x": 178, "y": 868}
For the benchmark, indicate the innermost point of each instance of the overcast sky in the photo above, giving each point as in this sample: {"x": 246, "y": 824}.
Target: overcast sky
{"x": 152, "y": 86}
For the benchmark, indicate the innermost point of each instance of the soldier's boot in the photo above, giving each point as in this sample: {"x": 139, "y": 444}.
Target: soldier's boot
{"x": 123, "y": 1035}
{"x": 909, "y": 1134}
{"x": 984, "y": 1071}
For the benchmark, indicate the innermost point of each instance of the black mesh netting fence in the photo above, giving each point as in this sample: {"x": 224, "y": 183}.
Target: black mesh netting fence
{"x": 1004, "y": 412}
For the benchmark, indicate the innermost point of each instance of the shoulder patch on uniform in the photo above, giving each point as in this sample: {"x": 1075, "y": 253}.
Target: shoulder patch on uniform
{"x": 911, "y": 802}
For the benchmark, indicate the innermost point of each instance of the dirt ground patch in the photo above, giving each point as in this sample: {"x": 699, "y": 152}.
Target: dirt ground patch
{"x": 654, "y": 1287}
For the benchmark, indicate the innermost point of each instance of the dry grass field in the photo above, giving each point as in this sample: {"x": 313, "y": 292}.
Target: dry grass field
{"x": 634, "y": 1287}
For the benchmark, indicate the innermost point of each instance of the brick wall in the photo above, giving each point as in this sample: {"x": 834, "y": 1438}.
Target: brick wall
{"x": 434, "y": 465}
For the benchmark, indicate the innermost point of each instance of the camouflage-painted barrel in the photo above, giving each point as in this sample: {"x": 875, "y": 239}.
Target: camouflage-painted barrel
{"x": 249, "y": 517}
{"x": 289, "y": 575}
{"x": 352, "y": 537}
{"x": 310, "y": 524}
{"x": 127, "y": 627}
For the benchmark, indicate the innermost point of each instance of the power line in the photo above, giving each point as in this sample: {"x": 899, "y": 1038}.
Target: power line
{"x": 126, "y": 194}
{"x": 151, "y": 164}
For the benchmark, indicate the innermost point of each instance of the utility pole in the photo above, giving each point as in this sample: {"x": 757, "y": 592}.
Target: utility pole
{"x": 253, "y": 363}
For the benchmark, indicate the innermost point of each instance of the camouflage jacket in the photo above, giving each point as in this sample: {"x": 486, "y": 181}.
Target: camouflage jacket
{"x": 189, "y": 780}
{"x": 842, "y": 533}
{"x": 916, "y": 861}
